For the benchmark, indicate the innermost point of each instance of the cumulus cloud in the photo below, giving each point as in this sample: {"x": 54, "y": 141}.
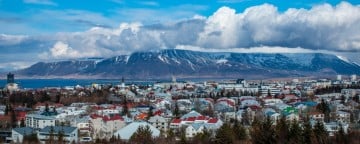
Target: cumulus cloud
{"x": 323, "y": 27}
{"x": 61, "y": 49}
{"x": 262, "y": 28}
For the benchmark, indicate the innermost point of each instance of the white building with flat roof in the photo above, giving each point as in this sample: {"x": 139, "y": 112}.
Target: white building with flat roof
{"x": 39, "y": 121}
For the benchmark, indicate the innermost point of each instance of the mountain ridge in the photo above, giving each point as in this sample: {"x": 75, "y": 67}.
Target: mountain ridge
{"x": 185, "y": 63}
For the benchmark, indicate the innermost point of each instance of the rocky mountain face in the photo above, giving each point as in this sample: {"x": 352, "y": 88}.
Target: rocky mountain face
{"x": 192, "y": 64}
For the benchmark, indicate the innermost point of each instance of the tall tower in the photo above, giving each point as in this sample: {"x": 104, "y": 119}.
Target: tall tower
{"x": 338, "y": 77}
{"x": 10, "y": 78}
{"x": 353, "y": 77}
{"x": 173, "y": 79}
{"x": 122, "y": 82}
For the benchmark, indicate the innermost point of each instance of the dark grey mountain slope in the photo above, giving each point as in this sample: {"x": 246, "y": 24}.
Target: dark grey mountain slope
{"x": 185, "y": 63}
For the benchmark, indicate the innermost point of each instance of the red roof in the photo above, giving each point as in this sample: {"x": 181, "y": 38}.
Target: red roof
{"x": 158, "y": 112}
{"x": 229, "y": 102}
{"x": 94, "y": 116}
{"x": 201, "y": 118}
{"x": 254, "y": 107}
{"x": 115, "y": 117}
{"x": 142, "y": 116}
{"x": 213, "y": 120}
{"x": 176, "y": 121}
{"x": 190, "y": 119}
{"x": 106, "y": 118}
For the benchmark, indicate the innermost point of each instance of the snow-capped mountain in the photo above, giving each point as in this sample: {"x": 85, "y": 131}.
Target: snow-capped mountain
{"x": 184, "y": 63}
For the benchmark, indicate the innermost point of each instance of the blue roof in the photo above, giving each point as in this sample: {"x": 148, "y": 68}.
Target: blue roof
{"x": 50, "y": 113}
{"x": 24, "y": 130}
{"x": 269, "y": 113}
{"x": 191, "y": 114}
{"x": 307, "y": 103}
{"x": 196, "y": 126}
{"x": 57, "y": 129}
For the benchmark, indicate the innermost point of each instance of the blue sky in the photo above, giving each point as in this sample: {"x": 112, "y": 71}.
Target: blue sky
{"x": 52, "y": 30}
{"x": 49, "y": 16}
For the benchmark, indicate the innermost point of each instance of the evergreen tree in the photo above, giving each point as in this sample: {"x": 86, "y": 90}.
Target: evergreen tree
{"x": 22, "y": 123}
{"x": 239, "y": 131}
{"x": 54, "y": 110}
{"x": 183, "y": 139}
{"x": 170, "y": 136}
{"x": 295, "y": 132}
{"x": 150, "y": 113}
{"x": 113, "y": 139}
{"x": 47, "y": 107}
{"x": 125, "y": 109}
{"x": 197, "y": 105}
{"x": 245, "y": 118}
{"x": 320, "y": 133}
{"x": 51, "y": 139}
{"x": 60, "y": 137}
{"x": 269, "y": 132}
{"x": 282, "y": 130}
{"x": 324, "y": 108}
{"x": 341, "y": 137}
{"x": 176, "y": 110}
{"x": 224, "y": 135}
{"x": 31, "y": 139}
{"x": 307, "y": 133}
{"x": 13, "y": 119}
{"x": 202, "y": 138}
{"x": 263, "y": 132}
{"x": 143, "y": 135}
{"x": 7, "y": 109}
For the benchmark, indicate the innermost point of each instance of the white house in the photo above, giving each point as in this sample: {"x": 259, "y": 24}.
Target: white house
{"x": 159, "y": 122}
{"x": 126, "y": 132}
{"x": 70, "y": 133}
{"x": 333, "y": 127}
{"x": 342, "y": 116}
{"x": 18, "y": 134}
{"x": 318, "y": 116}
{"x": 194, "y": 129}
{"x": 103, "y": 126}
{"x": 39, "y": 121}
{"x": 272, "y": 102}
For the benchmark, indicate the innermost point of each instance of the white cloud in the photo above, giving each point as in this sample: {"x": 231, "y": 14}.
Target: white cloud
{"x": 6, "y": 40}
{"x": 11, "y": 66}
{"x": 323, "y": 28}
{"x": 61, "y": 49}
{"x": 259, "y": 49}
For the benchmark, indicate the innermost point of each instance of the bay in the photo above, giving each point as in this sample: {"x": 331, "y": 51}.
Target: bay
{"x": 42, "y": 83}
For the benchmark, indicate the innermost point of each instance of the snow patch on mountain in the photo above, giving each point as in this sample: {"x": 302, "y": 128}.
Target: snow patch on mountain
{"x": 222, "y": 61}
{"x": 343, "y": 58}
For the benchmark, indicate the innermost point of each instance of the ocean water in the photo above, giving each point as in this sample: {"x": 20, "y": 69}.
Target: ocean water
{"x": 42, "y": 83}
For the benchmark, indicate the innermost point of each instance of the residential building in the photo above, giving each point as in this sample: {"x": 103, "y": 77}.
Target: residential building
{"x": 126, "y": 132}
{"x": 343, "y": 116}
{"x": 39, "y": 121}
{"x": 318, "y": 116}
{"x": 104, "y": 126}
{"x": 18, "y": 134}
{"x": 194, "y": 129}
{"x": 159, "y": 122}
{"x": 70, "y": 134}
